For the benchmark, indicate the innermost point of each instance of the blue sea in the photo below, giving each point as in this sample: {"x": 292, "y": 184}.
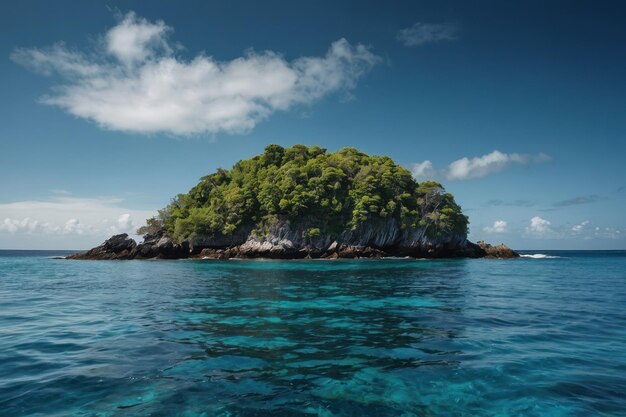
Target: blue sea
{"x": 544, "y": 335}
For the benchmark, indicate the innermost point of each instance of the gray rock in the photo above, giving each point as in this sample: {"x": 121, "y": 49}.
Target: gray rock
{"x": 160, "y": 245}
{"x": 500, "y": 251}
{"x": 117, "y": 247}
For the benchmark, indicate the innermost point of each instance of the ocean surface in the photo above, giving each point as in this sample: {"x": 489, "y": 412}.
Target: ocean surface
{"x": 544, "y": 335}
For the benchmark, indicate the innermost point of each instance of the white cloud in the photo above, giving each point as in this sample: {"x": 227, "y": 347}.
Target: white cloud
{"x": 579, "y": 227}
{"x": 25, "y": 225}
{"x": 124, "y": 224}
{"x": 136, "y": 39}
{"x": 499, "y": 226}
{"x": 56, "y": 59}
{"x": 423, "y": 170}
{"x": 135, "y": 83}
{"x": 423, "y": 33}
{"x": 539, "y": 225}
{"x": 69, "y": 222}
{"x": 72, "y": 226}
{"x": 466, "y": 168}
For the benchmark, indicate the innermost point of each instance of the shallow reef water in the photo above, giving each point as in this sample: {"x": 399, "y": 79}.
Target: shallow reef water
{"x": 536, "y": 336}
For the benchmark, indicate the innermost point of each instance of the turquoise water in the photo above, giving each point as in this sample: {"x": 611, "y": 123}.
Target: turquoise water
{"x": 526, "y": 337}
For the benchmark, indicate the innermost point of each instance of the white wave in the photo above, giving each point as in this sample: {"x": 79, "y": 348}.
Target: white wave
{"x": 540, "y": 256}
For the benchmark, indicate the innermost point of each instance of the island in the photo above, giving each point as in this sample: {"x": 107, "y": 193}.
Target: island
{"x": 304, "y": 202}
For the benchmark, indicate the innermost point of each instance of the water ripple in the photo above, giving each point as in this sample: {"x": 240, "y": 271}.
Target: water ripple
{"x": 340, "y": 338}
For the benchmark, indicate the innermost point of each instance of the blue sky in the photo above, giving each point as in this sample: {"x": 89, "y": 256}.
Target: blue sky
{"x": 110, "y": 109}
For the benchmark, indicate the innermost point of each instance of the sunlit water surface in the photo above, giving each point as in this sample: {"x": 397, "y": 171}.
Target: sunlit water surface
{"x": 542, "y": 336}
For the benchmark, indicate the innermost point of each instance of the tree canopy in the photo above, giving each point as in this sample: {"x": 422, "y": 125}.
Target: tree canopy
{"x": 323, "y": 192}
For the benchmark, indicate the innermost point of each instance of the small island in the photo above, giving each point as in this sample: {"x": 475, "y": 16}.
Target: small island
{"x": 303, "y": 202}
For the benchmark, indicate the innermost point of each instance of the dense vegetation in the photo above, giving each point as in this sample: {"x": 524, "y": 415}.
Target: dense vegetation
{"x": 320, "y": 192}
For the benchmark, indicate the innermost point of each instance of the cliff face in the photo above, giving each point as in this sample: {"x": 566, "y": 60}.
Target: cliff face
{"x": 383, "y": 238}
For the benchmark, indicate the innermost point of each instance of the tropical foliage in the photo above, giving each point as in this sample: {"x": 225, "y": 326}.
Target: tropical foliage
{"x": 322, "y": 192}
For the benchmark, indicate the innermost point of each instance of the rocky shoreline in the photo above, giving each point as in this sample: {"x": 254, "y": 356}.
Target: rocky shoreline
{"x": 160, "y": 246}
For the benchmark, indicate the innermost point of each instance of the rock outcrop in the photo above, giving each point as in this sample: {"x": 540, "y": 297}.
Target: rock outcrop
{"x": 501, "y": 251}
{"x": 160, "y": 245}
{"x": 281, "y": 241}
{"x": 157, "y": 245}
{"x": 117, "y": 247}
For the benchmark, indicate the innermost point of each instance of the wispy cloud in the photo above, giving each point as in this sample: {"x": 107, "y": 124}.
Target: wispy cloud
{"x": 134, "y": 81}
{"x": 515, "y": 203}
{"x": 422, "y": 33}
{"x": 480, "y": 166}
{"x": 577, "y": 228}
{"x": 60, "y": 191}
{"x": 476, "y": 167}
{"x": 578, "y": 200}
{"x": 499, "y": 226}
{"x": 607, "y": 233}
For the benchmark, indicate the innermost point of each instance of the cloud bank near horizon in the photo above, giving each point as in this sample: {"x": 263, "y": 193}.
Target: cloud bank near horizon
{"x": 134, "y": 82}
{"x": 76, "y": 222}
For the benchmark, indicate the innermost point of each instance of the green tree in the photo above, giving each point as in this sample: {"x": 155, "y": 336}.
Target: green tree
{"x": 318, "y": 191}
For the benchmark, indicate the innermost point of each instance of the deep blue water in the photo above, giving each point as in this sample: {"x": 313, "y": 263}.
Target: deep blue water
{"x": 526, "y": 337}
